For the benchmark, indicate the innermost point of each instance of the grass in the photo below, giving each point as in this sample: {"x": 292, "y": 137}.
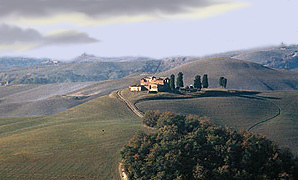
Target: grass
{"x": 80, "y": 143}
{"x": 84, "y": 142}
{"x": 284, "y": 128}
{"x": 240, "y": 111}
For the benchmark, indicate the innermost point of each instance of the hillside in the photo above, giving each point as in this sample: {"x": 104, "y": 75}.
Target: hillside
{"x": 80, "y": 143}
{"x": 273, "y": 114}
{"x": 78, "y": 72}
{"x": 48, "y": 99}
{"x": 240, "y": 74}
{"x": 7, "y": 63}
{"x": 276, "y": 57}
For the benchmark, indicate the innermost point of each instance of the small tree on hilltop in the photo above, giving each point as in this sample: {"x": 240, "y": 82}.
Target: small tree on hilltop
{"x": 205, "y": 81}
{"x": 221, "y": 81}
{"x": 179, "y": 82}
{"x": 172, "y": 82}
{"x": 225, "y": 81}
{"x": 197, "y": 82}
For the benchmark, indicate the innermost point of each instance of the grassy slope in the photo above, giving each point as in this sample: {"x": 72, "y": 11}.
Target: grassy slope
{"x": 241, "y": 112}
{"x": 69, "y": 145}
{"x": 39, "y": 100}
{"x": 240, "y": 74}
{"x": 284, "y": 128}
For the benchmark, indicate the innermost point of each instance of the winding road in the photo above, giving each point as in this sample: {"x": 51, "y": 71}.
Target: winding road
{"x": 131, "y": 106}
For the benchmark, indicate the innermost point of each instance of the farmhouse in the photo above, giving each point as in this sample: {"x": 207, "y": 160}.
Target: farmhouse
{"x": 152, "y": 84}
{"x": 136, "y": 88}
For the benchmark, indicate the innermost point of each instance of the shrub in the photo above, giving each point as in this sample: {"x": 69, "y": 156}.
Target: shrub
{"x": 150, "y": 118}
{"x": 189, "y": 147}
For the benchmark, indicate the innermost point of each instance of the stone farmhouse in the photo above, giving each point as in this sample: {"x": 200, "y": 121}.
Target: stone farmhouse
{"x": 152, "y": 84}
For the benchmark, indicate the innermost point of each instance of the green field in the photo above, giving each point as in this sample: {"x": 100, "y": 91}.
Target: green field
{"x": 80, "y": 143}
{"x": 84, "y": 142}
{"x": 241, "y": 112}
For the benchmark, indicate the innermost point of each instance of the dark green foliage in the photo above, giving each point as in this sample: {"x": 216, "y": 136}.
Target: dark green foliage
{"x": 172, "y": 82}
{"x": 205, "y": 81}
{"x": 223, "y": 82}
{"x": 150, "y": 118}
{"x": 188, "y": 148}
{"x": 221, "y": 79}
{"x": 197, "y": 82}
{"x": 179, "y": 82}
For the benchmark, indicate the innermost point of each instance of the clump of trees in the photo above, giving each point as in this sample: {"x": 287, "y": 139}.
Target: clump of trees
{"x": 189, "y": 148}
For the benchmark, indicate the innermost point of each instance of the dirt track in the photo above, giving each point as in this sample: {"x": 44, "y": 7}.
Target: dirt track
{"x": 131, "y": 106}
{"x": 268, "y": 119}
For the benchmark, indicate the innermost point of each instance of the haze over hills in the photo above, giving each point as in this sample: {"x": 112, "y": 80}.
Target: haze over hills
{"x": 92, "y": 68}
{"x": 276, "y": 57}
{"x": 240, "y": 74}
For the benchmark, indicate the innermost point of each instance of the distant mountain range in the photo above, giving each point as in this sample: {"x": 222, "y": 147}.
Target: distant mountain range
{"x": 86, "y": 67}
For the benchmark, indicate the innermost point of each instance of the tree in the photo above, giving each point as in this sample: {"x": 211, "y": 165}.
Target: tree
{"x": 172, "y": 82}
{"x": 221, "y": 81}
{"x": 205, "y": 81}
{"x": 179, "y": 82}
{"x": 150, "y": 118}
{"x": 225, "y": 81}
{"x": 197, "y": 82}
{"x": 192, "y": 148}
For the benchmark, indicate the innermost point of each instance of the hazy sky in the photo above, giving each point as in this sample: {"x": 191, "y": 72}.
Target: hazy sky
{"x": 63, "y": 29}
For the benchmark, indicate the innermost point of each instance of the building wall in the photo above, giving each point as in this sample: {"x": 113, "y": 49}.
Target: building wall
{"x": 135, "y": 88}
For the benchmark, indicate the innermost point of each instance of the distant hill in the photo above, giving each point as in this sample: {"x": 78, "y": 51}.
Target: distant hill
{"x": 77, "y": 72}
{"x": 88, "y": 58}
{"x": 240, "y": 74}
{"x": 7, "y": 63}
{"x": 277, "y": 57}
{"x": 86, "y": 67}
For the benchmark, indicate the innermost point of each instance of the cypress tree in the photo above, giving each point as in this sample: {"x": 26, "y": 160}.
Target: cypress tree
{"x": 225, "y": 81}
{"x": 221, "y": 81}
{"x": 172, "y": 82}
{"x": 179, "y": 82}
{"x": 205, "y": 81}
{"x": 197, "y": 82}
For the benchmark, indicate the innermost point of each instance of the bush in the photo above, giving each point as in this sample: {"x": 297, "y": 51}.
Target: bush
{"x": 150, "y": 118}
{"x": 189, "y": 147}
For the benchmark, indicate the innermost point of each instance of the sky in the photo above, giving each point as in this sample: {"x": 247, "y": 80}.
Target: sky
{"x": 64, "y": 29}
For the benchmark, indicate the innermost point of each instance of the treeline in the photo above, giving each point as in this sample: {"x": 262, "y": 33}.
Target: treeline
{"x": 198, "y": 83}
{"x": 189, "y": 148}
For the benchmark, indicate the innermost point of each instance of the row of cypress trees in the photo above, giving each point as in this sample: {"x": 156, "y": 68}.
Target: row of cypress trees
{"x": 198, "y": 84}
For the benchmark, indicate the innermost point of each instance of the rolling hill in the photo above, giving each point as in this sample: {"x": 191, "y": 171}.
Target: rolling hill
{"x": 240, "y": 74}
{"x": 80, "y": 143}
{"x": 276, "y": 57}
{"x": 48, "y": 99}
{"x": 273, "y": 113}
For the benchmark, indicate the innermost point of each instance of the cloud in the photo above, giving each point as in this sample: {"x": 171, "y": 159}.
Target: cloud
{"x": 94, "y": 12}
{"x": 98, "y": 7}
{"x": 14, "y": 37}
